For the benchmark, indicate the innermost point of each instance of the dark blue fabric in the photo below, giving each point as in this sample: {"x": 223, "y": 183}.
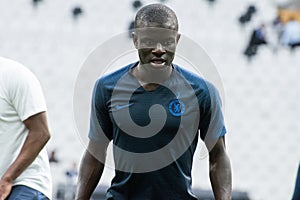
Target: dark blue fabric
{"x": 21, "y": 192}
{"x": 173, "y": 181}
{"x": 296, "y": 195}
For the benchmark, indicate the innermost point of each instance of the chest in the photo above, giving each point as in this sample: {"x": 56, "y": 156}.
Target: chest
{"x": 160, "y": 107}
{"x": 143, "y": 117}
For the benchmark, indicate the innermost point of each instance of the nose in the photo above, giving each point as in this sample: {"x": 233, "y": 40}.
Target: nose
{"x": 159, "y": 50}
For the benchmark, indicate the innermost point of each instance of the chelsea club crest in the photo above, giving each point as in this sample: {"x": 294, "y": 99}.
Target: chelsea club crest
{"x": 176, "y": 107}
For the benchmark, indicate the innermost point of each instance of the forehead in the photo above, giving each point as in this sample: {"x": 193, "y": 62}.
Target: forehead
{"x": 155, "y": 32}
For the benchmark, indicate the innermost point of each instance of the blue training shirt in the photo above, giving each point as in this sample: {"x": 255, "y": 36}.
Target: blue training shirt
{"x": 154, "y": 133}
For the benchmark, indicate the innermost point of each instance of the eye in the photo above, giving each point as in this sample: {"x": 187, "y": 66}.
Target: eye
{"x": 168, "y": 42}
{"x": 147, "y": 42}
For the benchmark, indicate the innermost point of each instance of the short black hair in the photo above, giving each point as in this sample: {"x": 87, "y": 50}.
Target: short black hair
{"x": 156, "y": 15}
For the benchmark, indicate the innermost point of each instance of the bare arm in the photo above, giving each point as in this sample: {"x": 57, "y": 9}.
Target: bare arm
{"x": 220, "y": 171}
{"x": 91, "y": 169}
{"x": 37, "y": 137}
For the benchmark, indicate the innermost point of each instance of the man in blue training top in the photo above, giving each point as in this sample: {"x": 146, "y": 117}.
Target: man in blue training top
{"x": 152, "y": 111}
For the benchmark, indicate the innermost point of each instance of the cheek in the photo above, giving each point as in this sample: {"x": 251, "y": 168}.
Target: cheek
{"x": 171, "y": 55}
{"x": 143, "y": 53}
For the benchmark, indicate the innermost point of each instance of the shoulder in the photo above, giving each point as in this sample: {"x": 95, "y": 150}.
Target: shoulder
{"x": 13, "y": 72}
{"x": 111, "y": 78}
{"x": 108, "y": 81}
{"x": 196, "y": 81}
{"x": 204, "y": 89}
{"x": 106, "y": 84}
{"x": 13, "y": 68}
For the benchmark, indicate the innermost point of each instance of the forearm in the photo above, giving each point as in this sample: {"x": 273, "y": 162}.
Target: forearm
{"x": 89, "y": 175}
{"x": 34, "y": 143}
{"x": 220, "y": 177}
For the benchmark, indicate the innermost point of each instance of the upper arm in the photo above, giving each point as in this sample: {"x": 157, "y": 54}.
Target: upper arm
{"x": 100, "y": 124}
{"x": 211, "y": 125}
{"x": 38, "y": 124}
{"x": 218, "y": 149}
{"x": 97, "y": 150}
{"x": 27, "y": 98}
{"x": 25, "y": 93}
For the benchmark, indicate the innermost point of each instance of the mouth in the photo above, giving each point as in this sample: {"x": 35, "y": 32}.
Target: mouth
{"x": 158, "y": 61}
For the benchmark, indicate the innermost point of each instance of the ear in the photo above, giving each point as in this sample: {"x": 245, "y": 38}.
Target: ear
{"x": 134, "y": 39}
{"x": 178, "y": 37}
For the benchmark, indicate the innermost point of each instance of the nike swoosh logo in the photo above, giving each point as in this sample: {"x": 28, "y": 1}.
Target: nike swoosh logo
{"x": 119, "y": 107}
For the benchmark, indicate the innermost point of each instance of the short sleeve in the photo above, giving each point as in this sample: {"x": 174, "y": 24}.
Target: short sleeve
{"x": 25, "y": 92}
{"x": 211, "y": 125}
{"x": 100, "y": 123}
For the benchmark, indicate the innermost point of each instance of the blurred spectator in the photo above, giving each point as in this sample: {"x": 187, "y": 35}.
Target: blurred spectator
{"x": 76, "y": 12}
{"x": 52, "y": 157}
{"x": 277, "y": 23}
{"x": 291, "y": 34}
{"x": 69, "y": 189}
{"x": 36, "y": 2}
{"x": 246, "y": 17}
{"x": 72, "y": 174}
{"x": 258, "y": 37}
{"x": 277, "y": 26}
{"x": 211, "y": 1}
{"x": 137, "y": 4}
{"x": 276, "y": 32}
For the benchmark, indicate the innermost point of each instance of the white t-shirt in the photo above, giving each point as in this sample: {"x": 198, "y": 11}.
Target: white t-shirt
{"x": 21, "y": 96}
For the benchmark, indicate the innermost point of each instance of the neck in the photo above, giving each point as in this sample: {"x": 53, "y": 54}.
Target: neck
{"x": 146, "y": 74}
